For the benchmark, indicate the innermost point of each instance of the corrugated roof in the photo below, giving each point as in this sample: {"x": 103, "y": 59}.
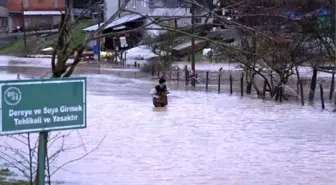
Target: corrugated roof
{"x": 117, "y": 22}
{"x": 42, "y": 12}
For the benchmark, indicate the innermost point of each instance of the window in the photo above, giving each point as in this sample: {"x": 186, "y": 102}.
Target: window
{"x": 183, "y": 3}
{"x": 26, "y": 4}
{"x": 56, "y": 3}
{"x": 123, "y": 42}
{"x": 157, "y": 3}
{"x": 172, "y": 4}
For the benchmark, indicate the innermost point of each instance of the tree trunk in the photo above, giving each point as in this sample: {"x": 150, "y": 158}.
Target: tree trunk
{"x": 274, "y": 91}
{"x": 259, "y": 93}
{"x": 248, "y": 78}
{"x": 298, "y": 82}
{"x": 249, "y": 87}
{"x": 164, "y": 66}
{"x": 250, "y": 84}
{"x": 313, "y": 85}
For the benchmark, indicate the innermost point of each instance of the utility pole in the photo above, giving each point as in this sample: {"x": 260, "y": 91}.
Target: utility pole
{"x": 98, "y": 12}
{"x": 98, "y": 39}
{"x": 332, "y": 18}
{"x": 70, "y": 9}
{"x": 119, "y": 6}
{"x": 193, "y": 80}
{"x": 24, "y": 27}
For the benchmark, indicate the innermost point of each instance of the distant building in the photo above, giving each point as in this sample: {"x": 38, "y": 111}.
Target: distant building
{"x": 179, "y": 10}
{"x": 158, "y": 8}
{"x": 87, "y": 6}
{"x": 34, "y": 14}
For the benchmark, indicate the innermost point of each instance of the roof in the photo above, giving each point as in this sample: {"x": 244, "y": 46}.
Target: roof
{"x": 43, "y": 12}
{"x": 116, "y": 22}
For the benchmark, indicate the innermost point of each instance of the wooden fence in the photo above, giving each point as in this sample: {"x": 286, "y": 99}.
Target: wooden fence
{"x": 218, "y": 79}
{"x": 236, "y": 80}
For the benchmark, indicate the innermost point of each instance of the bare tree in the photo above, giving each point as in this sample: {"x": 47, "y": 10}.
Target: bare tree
{"x": 266, "y": 51}
{"x": 162, "y": 46}
{"x": 322, "y": 29}
{"x": 22, "y": 157}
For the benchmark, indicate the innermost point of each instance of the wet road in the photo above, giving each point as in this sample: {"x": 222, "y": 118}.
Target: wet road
{"x": 200, "y": 139}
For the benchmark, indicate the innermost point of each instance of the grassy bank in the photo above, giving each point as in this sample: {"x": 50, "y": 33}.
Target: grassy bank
{"x": 37, "y": 42}
{"x": 15, "y": 49}
{"x": 6, "y": 178}
{"x": 79, "y": 34}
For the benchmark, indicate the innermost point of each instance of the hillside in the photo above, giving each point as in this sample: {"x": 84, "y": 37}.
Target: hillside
{"x": 37, "y": 42}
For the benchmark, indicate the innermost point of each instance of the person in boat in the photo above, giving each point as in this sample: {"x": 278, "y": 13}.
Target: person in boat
{"x": 159, "y": 93}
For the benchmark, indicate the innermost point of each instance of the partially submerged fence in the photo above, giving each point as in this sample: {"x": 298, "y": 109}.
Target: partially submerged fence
{"x": 235, "y": 81}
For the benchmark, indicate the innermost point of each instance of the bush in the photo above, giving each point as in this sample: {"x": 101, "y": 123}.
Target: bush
{"x": 148, "y": 67}
{"x": 5, "y": 178}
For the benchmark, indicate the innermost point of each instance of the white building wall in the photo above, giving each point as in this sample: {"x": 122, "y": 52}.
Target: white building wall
{"x": 142, "y": 7}
{"x": 111, "y": 7}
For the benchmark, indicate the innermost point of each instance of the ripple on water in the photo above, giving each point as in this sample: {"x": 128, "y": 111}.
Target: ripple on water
{"x": 223, "y": 141}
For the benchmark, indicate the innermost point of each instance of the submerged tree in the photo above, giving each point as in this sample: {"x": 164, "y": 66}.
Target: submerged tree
{"x": 162, "y": 46}
{"x": 322, "y": 29}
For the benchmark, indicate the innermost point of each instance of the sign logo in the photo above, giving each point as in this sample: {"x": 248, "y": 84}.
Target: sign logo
{"x": 12, "y": 96}
{"x": 38, "y": 111}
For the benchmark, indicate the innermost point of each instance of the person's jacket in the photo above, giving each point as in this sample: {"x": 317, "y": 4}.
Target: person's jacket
{"x": 157, "y": 90}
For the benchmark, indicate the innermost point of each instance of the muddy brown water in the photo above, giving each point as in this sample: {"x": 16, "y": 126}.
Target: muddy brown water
{"x": 199, "y": 139}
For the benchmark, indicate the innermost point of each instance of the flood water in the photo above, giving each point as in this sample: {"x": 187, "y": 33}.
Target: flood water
{"x": 199, "y": 139}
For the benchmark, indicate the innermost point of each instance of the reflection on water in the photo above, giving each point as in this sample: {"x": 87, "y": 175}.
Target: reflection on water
{"x": 200, "y": 138}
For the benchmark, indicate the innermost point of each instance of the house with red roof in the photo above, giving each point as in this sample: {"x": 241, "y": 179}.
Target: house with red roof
{"x": 34, "y": 14}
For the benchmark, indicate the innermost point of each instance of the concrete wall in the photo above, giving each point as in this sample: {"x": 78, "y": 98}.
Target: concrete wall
{"x": 3, "y": 19}
{"x": 111, "y": 7}
{"x": 3, "y": 11}
{"x": 3, "y": 24}
{"x": 10, "y": 40}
